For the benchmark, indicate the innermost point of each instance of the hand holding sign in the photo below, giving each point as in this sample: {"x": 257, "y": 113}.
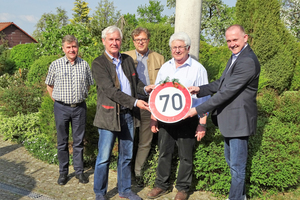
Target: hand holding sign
{"x": 169, "y": 102}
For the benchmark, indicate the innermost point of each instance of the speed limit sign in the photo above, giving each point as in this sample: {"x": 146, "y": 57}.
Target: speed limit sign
{"x": 170, "y": 102}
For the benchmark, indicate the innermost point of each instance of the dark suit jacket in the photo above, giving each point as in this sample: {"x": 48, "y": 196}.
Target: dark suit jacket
{"x": 234, "y": 99}
{"x": 109, "y": 95}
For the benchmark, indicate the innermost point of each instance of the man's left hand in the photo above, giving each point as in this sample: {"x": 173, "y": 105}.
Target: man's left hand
{"x": 191, "y": 113}
{"x": 149, "y": 88}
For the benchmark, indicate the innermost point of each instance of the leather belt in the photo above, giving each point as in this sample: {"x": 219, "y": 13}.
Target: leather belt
{"x": 124, "y": 111}
{"x": 71, "y": 105}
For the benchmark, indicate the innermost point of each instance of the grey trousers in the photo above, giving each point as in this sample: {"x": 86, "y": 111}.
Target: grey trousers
{"x": 64, "y": 115}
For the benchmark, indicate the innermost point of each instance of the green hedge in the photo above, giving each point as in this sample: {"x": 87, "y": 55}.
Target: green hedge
{"x": 39, "y": 68}
{"x": 275, "y": 160}
{"x": 23, "y": 55}
{"x": 7, "y": 65}
{"x": 214, "y": 59}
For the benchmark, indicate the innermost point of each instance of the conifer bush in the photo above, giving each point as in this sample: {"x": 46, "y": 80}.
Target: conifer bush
{"x": 288, "y": 110}
{"x": 274, "y": 166}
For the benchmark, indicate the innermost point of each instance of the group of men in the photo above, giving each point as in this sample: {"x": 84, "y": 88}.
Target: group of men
{"x": 124, "y": 82}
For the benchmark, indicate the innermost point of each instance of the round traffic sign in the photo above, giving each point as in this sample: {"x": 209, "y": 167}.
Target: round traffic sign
{"x": 170, "y": 102}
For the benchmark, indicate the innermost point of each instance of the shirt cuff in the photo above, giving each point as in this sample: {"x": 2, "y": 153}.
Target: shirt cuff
{"x": 135, "y": 102}
{"x": 145, "y": 91}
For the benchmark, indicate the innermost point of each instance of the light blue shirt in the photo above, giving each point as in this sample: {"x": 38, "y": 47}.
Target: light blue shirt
{"x": 142, "y": 68}
{"x": 124, "y": 83}
{"x": 123, "y": 80}
{"x": 191, "y": 73}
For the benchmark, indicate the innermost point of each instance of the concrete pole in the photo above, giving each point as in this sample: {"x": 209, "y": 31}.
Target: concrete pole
{"x": 188, "y": 20}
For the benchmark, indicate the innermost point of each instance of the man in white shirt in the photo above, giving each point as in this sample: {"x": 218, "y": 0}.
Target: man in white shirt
{"x": 188, "y": 72}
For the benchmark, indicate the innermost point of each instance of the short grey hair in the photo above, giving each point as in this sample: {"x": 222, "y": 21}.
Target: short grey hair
{"x": 69, "y": 39}
{"x": 182, "y": 36}
{"x": 110, "y": 30}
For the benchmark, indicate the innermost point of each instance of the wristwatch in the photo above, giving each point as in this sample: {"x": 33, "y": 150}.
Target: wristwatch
{"x": 204, "y": 125}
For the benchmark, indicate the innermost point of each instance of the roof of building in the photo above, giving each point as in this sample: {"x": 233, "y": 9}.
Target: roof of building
{"x": 4, "y": 25}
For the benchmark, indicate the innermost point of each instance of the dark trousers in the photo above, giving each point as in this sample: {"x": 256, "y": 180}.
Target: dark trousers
{"x": 183, "y": 135}
{"x": 64, "y": 115}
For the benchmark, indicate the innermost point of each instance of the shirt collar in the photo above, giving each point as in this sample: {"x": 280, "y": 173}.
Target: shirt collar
{"x": 145, "y": 55}
{"x": 188, "y": 62}
{"x": 113, "y": 58}
{"x": 67, "y": 60}
{"x": 236, "y": 55}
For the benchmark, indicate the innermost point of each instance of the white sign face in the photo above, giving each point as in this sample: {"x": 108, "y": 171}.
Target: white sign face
{"x": 170, "y": 102}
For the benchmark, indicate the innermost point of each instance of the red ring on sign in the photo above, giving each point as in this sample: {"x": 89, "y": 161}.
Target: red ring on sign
{"x": 168, "y": 119}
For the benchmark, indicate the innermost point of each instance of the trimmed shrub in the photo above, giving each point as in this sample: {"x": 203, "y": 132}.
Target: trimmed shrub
{"x": 275, "y": 164}
{"x": 23, "y": 55}
{"x": 211, "y": 171}
{"x": 289, "y": 107}
{"x": 46, "y": 118}
{"x": 296, "y": 78}
{"x": 274, "y": 45}
{"x": 39, "y": 68}
{"x": 214, "y": 59}
{"x": 91, "y": 132}
{"x": 267, "y": 102}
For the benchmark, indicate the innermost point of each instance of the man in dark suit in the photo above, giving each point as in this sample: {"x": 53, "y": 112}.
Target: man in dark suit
{"x": 233, "y": 105}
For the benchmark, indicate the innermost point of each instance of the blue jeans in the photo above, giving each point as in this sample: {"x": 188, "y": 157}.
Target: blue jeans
{"x": 236, "y": 153}
{"x": 125, "y": 146}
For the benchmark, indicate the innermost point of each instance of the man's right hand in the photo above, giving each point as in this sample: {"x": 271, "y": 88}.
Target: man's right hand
{"x": 194, "y": 89}
{"x": 142, "y": 105}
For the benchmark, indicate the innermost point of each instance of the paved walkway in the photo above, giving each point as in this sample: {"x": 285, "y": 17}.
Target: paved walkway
{"x": 24, "y": 177}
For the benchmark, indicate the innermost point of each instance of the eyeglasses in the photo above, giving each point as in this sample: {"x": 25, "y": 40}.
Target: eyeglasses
{"x": 140, "y": 40}
{"x": 180, "y": 48}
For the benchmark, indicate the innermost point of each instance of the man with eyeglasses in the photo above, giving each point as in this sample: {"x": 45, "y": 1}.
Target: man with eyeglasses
{"x": 188, "y": 72}
{"x": 147, "y": 64}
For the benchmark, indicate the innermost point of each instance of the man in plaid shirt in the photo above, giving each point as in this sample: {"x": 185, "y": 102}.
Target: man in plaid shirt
{"x": 68, "y": 82}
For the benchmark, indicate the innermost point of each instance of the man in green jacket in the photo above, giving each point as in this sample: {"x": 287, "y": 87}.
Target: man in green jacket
{"x": 117, "y": 112}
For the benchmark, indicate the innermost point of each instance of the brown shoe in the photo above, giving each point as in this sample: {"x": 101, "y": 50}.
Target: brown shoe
{"x": 181, "y": 195}
{"x": 156, "y": 192}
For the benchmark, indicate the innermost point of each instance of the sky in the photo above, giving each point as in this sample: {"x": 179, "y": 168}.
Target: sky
{"x": 26, "y": 13}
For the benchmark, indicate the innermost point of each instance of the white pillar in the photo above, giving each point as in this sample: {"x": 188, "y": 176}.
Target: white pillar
{"x": 188, "y": 20}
